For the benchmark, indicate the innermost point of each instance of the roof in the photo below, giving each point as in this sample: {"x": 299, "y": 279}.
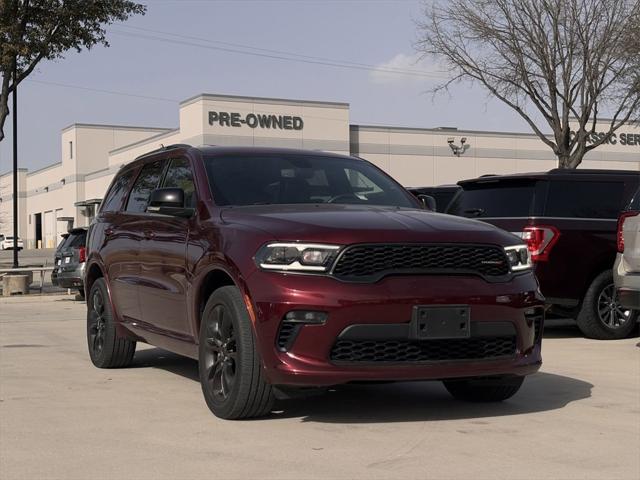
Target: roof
{"x": 230, "y": 150}
{"x": 555, "y": 173}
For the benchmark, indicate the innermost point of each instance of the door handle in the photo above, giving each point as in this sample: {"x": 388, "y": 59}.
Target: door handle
{"x": 108, "y": 232}
{"x": 149, "y": 235}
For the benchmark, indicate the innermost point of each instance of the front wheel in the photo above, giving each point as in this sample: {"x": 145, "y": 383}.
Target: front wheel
{"x": 486, "y": 389}
{"x": 601, "y": 316}
{"x": 230, "y": 368}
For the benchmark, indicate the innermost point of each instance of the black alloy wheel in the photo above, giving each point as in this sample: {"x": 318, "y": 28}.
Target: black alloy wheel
{"x": 220, "y": 353}
{"x": 97, "y": 323}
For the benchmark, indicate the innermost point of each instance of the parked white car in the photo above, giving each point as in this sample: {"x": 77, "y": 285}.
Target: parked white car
{"x": 626, "y": 271}
{"x": 6, "y": 243}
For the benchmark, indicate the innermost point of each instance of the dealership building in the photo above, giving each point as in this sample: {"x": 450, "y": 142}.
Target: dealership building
{"x": 69, "y": 191}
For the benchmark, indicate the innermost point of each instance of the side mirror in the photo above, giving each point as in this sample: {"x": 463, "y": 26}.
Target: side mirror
{"x": 428, "y": 202}
{"x": 169, "y": 201}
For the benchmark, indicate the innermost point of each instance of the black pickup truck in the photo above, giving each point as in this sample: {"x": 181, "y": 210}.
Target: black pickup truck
{"x": 568, "y": 219}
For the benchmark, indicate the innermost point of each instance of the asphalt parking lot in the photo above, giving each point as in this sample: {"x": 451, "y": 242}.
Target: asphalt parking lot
{"x": 62, "y": 418}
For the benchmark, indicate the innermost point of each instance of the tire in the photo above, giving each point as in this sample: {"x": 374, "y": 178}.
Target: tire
{"x": 231, "y": 373}
{"x": 601, "y": 316}
{"x": 106, "y": 349}
{"x": 486, "y": 389}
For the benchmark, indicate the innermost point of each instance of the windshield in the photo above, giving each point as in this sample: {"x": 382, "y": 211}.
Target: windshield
{"x": 286, "y": 179}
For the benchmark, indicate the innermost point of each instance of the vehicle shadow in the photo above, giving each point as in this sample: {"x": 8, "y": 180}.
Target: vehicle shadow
{"x": 397, "y": 402}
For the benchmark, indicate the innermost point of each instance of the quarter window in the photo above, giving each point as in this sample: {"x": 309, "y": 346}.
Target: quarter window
{"x": 113, "y": 200}
{"x": 585, "y": 199}
{"x": 147, "y": 181}
{"x": 179, "y": 175}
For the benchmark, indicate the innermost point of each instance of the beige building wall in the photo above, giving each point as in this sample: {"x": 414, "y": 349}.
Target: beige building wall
{"x": 53, "y": 192}
{"x": 6, "y": 203}
{"x": 423, "y": 157}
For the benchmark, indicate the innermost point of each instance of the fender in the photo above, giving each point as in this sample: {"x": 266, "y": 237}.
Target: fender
{"x": 193, "y": 295}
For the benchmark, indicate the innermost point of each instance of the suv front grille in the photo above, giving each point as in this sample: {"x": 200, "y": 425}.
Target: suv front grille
{"x": 406, "y": 351}
{"x": 372, "y": 262}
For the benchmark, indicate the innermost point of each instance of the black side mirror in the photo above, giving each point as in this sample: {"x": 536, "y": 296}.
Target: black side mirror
{"x": 428, "y": 202}
{"x": 169, "y": 201}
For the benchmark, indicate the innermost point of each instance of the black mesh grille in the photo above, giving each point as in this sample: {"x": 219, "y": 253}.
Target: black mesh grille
{"x": 369, "y": 262}
{"x": 405, "y": 351}
{"x": 286, "y": 335}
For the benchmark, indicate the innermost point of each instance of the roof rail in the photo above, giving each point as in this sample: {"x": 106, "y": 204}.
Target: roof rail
{"x": 590, "y": 171}
{"x": 165, "y": 148}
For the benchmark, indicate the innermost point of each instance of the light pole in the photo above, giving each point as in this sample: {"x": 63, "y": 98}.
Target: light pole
{"x": 15, "y": 164}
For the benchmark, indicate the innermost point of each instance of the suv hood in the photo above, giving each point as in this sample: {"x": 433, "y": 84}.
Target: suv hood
{"x": 348, "y": 224}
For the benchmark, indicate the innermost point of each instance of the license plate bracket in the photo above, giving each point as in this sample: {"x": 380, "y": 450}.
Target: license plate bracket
{"x": 440, "y": 322}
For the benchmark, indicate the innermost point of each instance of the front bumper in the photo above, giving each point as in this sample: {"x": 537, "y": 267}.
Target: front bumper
{"x": 309, "y": 360}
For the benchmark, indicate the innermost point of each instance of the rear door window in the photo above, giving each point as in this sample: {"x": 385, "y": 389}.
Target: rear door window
{"x": 579, "y": 199}
{"x": 496, "y": 199}
{"x": 146, "y": 182}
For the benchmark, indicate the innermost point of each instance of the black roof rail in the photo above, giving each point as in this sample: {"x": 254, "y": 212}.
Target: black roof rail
{"x": 590, "y": 171}
{"x": 165, "y": 148}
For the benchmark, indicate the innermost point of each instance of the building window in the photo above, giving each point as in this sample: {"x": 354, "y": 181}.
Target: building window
{"x": 70, "y": 149}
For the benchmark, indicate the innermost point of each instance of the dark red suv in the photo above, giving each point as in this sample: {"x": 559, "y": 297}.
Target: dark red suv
{"x": 279, "y": 269}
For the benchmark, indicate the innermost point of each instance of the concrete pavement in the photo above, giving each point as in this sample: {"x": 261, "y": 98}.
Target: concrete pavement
{"x": 62, "y": 418}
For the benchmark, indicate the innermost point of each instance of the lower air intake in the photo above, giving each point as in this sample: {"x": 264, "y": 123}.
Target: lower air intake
{"x": 405, "y": 351}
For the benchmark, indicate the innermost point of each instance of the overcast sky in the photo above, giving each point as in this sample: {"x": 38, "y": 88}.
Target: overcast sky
{"x": 184, "y": 47}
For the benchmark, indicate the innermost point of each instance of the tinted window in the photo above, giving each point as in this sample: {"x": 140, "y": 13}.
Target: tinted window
{"x": 63, "y": 242}
{"x": 498, "y": 199}
{"x": 147, "y": 181}
{"x": 76, "y": 240}
{"x": 179, "y": 176}
{"x": 585, "y": 199}
{"x": 113, "y": 200}
{"x": 635, "y": 203}
{"x": 287, "y": 179}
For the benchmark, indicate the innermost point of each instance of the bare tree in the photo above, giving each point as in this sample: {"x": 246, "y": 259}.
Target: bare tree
{"x": 36, "y": 30}
{"x": 555, "y": 62}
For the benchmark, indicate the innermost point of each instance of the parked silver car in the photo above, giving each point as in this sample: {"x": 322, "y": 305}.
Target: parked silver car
{"x": 626, "y": 271}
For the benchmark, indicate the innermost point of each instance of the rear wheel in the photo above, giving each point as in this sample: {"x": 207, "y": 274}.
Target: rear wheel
{"x": 601, "y": 315}
{"x": 486, "y": 389}
{"x": 106, "y": 349}
{"x": 231, "y": 373}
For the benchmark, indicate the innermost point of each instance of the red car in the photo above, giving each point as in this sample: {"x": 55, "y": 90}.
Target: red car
{"x": 285, "y": 269}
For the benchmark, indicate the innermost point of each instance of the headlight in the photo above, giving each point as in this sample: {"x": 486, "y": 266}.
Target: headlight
{"x": 297, "y": 257}
{"x": 518, "y": 257}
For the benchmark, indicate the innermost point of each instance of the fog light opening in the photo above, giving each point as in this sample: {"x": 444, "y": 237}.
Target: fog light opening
{"x": 306, "y": 317}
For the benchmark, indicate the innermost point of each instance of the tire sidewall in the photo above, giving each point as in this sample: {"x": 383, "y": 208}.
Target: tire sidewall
{"x": 228, "y": 297}
{"x": 100, "y": 360}
{"x": 589, "y": 319}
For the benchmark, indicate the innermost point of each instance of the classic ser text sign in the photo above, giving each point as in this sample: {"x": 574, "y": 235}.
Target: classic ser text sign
{"x": 626, "y": 139}
{"x": 256, "y": 120}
